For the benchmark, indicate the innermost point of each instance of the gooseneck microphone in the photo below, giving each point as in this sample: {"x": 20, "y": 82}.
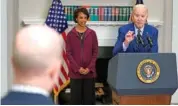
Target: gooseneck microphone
{"x": 140, "y": 40}
{"x": 150, "y": 42}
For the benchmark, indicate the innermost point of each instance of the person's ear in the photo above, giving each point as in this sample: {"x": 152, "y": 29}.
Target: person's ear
{"x": 54, "y": 72}
{"x": 146, "y": 19}
{"x": 13, "y": 63}
{"x": 132, "y": 17}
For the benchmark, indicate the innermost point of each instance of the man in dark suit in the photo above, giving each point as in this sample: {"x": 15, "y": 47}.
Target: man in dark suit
{"x": 137, "y": 36}
{"x": 36, "y": 59}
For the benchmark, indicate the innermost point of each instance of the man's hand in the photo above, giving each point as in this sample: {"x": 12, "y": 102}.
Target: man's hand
{"x": 128, "y": 37}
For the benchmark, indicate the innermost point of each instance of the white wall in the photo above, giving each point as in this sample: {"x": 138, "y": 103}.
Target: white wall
{"x": 4, "y": 73}
{"x": 174, "y": 40}
{"x": 9, "y": 26}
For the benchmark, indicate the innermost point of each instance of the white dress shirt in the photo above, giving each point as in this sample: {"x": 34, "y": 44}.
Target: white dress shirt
{"x": 29, "y": 89}
{"x": 136, "y": 32}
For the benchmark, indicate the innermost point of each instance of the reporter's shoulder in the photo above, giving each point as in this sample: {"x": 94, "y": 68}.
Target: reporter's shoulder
{"x": 4, "y": 100}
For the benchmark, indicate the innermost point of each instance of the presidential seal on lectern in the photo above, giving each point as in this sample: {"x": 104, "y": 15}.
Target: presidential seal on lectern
{"x": 148, "y": 71}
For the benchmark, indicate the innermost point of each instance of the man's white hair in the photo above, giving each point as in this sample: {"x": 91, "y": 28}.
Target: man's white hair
{"x": 36, "y": 47}
{"x": 140, "y": 6}
{"x": 135, "y": 7}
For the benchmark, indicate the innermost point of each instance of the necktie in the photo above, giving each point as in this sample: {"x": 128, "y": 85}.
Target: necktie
{"x": 139, "y": 33}
{"x": 139, "y": 38}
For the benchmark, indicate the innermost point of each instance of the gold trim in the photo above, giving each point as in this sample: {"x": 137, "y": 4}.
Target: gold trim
{"x": 56, "y": 93}
{"x": 157, "y": 70}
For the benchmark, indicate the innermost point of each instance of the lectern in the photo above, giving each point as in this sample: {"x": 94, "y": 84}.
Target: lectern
{"x": 143, "y": 78}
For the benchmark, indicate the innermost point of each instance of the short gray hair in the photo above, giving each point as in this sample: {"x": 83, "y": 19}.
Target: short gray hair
{"x": 140, "y": 6}
{"x": 39, "y": 58}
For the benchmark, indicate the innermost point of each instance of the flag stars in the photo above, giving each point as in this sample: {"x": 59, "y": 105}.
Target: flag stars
{"x": 56, "y": 17}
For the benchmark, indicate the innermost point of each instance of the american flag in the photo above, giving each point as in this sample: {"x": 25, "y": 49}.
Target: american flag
{"x": 56, "y": 19}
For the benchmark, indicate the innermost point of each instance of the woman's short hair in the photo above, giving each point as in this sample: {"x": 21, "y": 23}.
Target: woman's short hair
{"x": 80, "y": 10}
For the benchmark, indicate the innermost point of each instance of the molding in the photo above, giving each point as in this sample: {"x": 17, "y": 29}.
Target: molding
{"x": 32, "y": 21}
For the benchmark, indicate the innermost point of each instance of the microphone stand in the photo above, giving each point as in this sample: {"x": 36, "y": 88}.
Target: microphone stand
{"x": 150, "y": 43}
{"x": 139, "y": 42}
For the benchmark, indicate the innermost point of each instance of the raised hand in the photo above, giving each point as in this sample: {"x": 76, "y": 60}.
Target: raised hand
{"x": 128, "y": 37}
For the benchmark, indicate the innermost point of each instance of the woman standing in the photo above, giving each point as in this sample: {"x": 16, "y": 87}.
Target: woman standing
{"x": 82, "y": 51}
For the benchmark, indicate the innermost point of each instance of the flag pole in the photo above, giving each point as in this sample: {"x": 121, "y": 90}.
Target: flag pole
{"x": 56, "y": 99}
{"x": 56, "y": 93}
{"x": 55, "y": 23}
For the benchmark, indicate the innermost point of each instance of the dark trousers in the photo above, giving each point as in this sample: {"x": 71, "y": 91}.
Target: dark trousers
{"x": 82, "y": 91}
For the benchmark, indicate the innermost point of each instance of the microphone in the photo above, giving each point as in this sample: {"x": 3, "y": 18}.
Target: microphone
{"x": 149, "y": 40}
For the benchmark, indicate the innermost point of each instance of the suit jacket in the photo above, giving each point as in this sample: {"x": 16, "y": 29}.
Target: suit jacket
{"x": 148, "y": 30}
{"x": 22, "y": 98}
